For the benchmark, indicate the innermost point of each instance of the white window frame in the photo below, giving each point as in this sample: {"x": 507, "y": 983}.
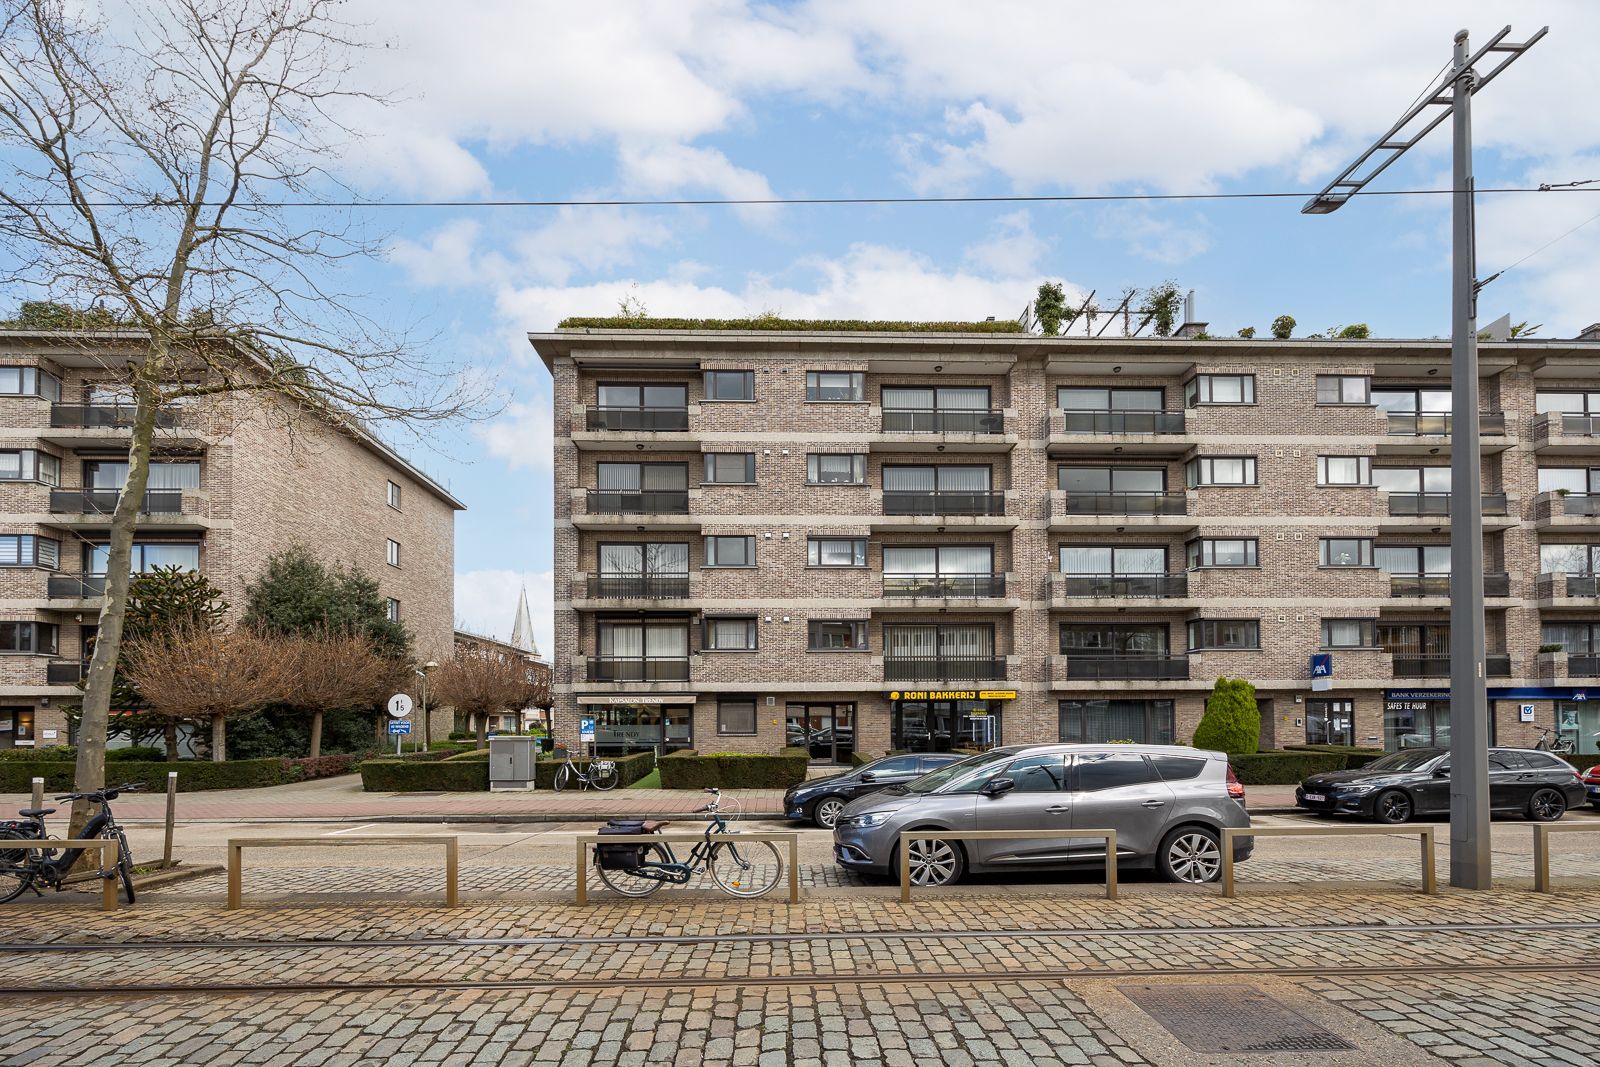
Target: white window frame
{"x": 393, "y": 494}
{"x": 392, "y": 552}
{"x": 752, "y": 633}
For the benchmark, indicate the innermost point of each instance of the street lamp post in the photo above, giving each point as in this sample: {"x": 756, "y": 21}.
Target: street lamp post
{"x": 1470, "y": 866}
{"x": 427, "y": 732}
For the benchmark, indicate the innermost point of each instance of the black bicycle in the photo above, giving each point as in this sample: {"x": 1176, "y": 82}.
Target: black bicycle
{"x": 24, "y": 866}
{"x": 739, "y": 868}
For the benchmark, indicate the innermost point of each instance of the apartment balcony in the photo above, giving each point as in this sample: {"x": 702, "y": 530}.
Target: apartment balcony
{"x": 1567, "y": 590}
{"x": 81, "y": 425}
{"x": 636, "y": 669}
{"x": 960, "y": 592}
{"x": 656, "y": 509}
{"x": 1119, "y": 592}
{"x": 1116, "y": 512}
{"x": 64, "y": 672}
{"x": 1566, "y": 511}
{"x": 917, "y": 511}
{"x": 642, "y": 592}
{"x": 1556, "y": 434}
{"x": 167, "y": 509}
{"x": 942, "y": 430}
{"x": 1557, "y": 667}
{"x": 1118, "y": 671}
{"x": 1146, "y": 433}
{"x": 1427, "y": 433}
{"x": 1407, "y": 665}
{"x": 1415, "y": 512}
{"x": 948, "y": 668}
{"x": 75, "y": 587}
{"x": 604, "y": 429}
{"x": 1433, "y": 590}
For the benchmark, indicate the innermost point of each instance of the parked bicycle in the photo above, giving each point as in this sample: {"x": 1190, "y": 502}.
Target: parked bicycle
{"x": 24, "y": 866}
{"x": 739, "y": 868}
{"x": 1562, "y": 744}
{"x": 600, "y": 774}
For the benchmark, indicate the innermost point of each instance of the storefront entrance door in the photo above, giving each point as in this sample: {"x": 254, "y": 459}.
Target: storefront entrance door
{"x": 827, "y": 731}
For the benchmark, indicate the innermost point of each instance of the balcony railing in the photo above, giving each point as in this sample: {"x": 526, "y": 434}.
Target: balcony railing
{"x": 1130, "y": 586}
{"x": 105, "y": 416}
{"x": 1415, "y": 423}
{"x": 1438, "y": 504}
{"x": 1581, "y": 425}
{"x": 104, "y": 501}
{"x": 1577, "y": 585}
{"x": 943, "y": 503}
{"x": 639, "y": 586}
{"x": 75, "y": 586}
{"x": 1125, "y": 667}
{"x": 944, "y": 668}
{"x": 1152, "y": 422}
{"x": 63, "y": 672}
{"x": 634, "y": 502}
{"x": 1126, "y": 503}
{"x": 625, "y": 418}
{"x": 1406, "y": 665}
{"x": 1417, "y": 585}
{"x": 639, "y": 669}
{"x": 1583, "y": 665}
{"x": 1577, "y": 503}
{"x": 944, "y": 585}
{"x": 907, "y": 420}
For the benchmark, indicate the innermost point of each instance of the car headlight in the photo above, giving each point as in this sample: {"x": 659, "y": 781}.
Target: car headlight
{"x": 871, "y": 818}
{"x": 1353, "y": 789}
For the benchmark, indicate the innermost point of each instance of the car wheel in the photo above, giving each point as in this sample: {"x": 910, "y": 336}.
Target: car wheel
{"x": 1547, "y": 805}
{"x": 826, "y": 812}
{"x": 932, "y": 862}
{"x": 1393, "y": 807}
{"x": 1191, "y": 854}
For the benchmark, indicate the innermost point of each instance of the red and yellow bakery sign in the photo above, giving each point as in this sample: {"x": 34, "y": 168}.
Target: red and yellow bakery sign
{"x": 953, "y": 694}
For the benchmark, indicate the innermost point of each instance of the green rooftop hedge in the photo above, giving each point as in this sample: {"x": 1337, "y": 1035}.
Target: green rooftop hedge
{"x": 774, "y": 323}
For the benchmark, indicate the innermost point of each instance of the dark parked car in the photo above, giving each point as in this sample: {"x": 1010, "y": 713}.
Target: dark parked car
{"x": 820, "y": 800}
{"x": 1403, "y": 785}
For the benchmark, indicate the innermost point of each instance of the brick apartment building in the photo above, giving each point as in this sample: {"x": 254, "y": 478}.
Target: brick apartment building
{"x": 873, "y": 541}
{"x": 229, "y": 486}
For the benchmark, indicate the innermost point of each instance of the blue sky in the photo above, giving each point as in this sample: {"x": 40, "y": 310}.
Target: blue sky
{"x": 510, "y": 98}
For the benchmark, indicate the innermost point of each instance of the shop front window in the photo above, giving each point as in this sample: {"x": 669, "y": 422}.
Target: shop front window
{"x": 1330, "y": 722}
{"x": 946, "y": 725}
{"x": 620, "y": 729}
{"x": 16, "y": 727}
{"x": 1578, "y": 721}
{"x": 1415, "y": 724}
{"x": 1144, "y": 722}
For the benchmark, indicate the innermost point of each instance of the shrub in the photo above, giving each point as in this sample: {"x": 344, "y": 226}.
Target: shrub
{"x": 629, "y": 768}
{"x": 36, "y": 755}
{"x": 1354, "y": 758}
{"x": 1283, "y": 768}
{"x": 1283, "y": 327}
{"x": 391, "y": 775}
{"x": 193, "y": 775}
{"x": 1581, "y": 761}
{"x": 146, "y": 753}
{"x": 734, "y": 770}
{"x": 1232, "y": 722}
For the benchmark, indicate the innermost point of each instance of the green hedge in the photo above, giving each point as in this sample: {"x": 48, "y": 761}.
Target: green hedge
{"x": 1583, "y": 762}
{"x": 1284, "y": 768}
{"x": 630, "y": 768}
{"x": 1354, "y": 758}
{"x": 734, "y": 770}
{"x": 390, "y": 775}
{"x": 193, "y": 775}
{"x": 772, "y": 322}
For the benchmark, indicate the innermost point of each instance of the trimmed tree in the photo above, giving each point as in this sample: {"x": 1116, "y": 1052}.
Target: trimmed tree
{"x": 336, "y": 672}
{"x": 1232, "y": 722}
{"x": 480, "y": 681}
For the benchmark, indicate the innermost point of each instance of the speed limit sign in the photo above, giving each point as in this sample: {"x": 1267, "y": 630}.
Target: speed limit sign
{"x": 400, "y": 705}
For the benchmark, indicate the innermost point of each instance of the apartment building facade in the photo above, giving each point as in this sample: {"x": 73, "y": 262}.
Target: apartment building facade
{"x": 232, "y": 482}
{"x": 869, "y": 541}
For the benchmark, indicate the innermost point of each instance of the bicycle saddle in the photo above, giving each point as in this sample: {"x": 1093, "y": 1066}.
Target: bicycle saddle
{"x": 36, "y": 813}
{"x": 655, "y": 825}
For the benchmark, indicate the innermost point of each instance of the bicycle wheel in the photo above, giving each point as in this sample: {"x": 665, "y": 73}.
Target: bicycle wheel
{"x": 125, "y": 865}
{"x": 606, "y": 779}
{"x": 632, "y": 883}
{"x": 563, "y": 777}
{"x": 16, "y": 870}
{"x": 746, "y": 869}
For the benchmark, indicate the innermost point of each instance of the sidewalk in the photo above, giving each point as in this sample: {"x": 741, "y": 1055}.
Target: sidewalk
{"x": 342, "y": 800}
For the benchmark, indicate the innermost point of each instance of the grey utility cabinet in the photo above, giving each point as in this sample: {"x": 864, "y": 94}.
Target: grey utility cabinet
{"x": 511, "y": 762}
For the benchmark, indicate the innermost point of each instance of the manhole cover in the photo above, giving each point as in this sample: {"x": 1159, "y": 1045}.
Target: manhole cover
{"x": 1231, "y": 1018}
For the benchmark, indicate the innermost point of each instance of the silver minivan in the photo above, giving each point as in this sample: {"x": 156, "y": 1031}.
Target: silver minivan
{"x": 1166, "y": 803}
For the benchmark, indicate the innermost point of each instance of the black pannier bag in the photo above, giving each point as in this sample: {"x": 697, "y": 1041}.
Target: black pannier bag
{"x": 620, "y": 857}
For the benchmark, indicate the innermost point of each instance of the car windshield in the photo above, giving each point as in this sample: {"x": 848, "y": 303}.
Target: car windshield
{"x": 956, "y": 776}
{"x": 1403, "y": 761}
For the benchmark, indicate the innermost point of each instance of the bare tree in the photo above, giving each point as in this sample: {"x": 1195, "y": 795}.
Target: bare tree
{"x": 193, "y": 673}
{"x": 154, "y": 178}
{"x": 335, "y": 671}
{"x": 478, "y": 681}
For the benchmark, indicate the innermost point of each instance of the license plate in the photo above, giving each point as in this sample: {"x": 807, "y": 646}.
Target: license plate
{"x": 1316, "y": 798}
{"x": 1594, "y": 790}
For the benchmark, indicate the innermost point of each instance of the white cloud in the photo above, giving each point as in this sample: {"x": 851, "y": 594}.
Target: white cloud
{"x": 1555, "y": 285}
{"x": 573, "y": 240}
{"x": 1013, "y": 250}
{"x": 1152, "y": 233}
{"x": 486, "y": 603}
{"x": 521, "y": 435}
{"x": 663, "y": 169}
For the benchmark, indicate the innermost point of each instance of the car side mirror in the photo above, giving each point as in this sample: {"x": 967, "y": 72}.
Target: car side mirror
{"x": 869, "y": 776}
{"x": 995, "y": 787}
{"x": 1442, "y": 772}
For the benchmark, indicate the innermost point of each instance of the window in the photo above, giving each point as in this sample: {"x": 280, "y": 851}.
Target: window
{"x": 1330, "y": 722}
{"x": 669, "y": 396}
{"x": 37, "y": 638}
{"x": 1177, "y": 768}
{"x": 1349, "y": 633}
{"x": 394, "y": 495}
{"x": 729, "y": 635}
{"x": 1069, "y": 398}
{"x": 944, "y": 559}
{"x": 1220, "y": 389}
{"x": 147, "y": 556}
{"x": 1412, "y": 401}
{"x": 1344, "y": 552}
{"x": 651, "y": 558}
{"x": 827, "y": 635}
{"x": 936, "y": 398}
{"x": 730, "y": 385}
{"x": 112, "y": 475}
{"x": 730, "y": 551}
{"x": 1569, "y": 559}
{"x": 1045, "y": 773}
{"x": 30, "y": 465}
{"x": 1097, "y": 722}
{"x": 942, "y": 479}
{"x": 1224, "y": 634}
{"x": 1412, "y": 479}
{"x": 730, "y": 468}
{"x": 26, "y": 550}
{"x": 736, "y": 717}
{"x": 1414, "y": 559}
{"x": 1579, "y": 480}
{"x": 1099, "y": 561}
{"x": 835, "y": 386}
{"x": 1111, "y": 770}
{"x": 1113, "y": 639}
{"x": 393, "y": 610}
{"x": 836, "y": 551}
{"x": 30, "y": 381}
{"x": 1582, "y": 638}
{"x": 1222, "y": 552}
{"x": 1344, "y": 389}
{"x": 394, "y": 553}
{"x": 1222, "y": 470}
{"x": 1131, "y": 480}
{"x": 1344, "y": 470}
{"x": 965, "y": 650}
{"x": 836, "y": 469}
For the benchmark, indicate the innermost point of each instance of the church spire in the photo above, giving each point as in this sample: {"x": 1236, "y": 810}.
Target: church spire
{"x": 522, "y": 629}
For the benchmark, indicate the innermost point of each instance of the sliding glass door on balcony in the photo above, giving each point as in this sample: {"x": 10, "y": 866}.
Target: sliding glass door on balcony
{"x": 1579, "y": 412}
{"x": 941, "y": 571}
{"x": 1118, "y": 491}
{"x": 651, "y": 570}
{"x": 640, "y": 407}
{"x": 1414, "y": 411}
{"x": 1104, "y": 571}
{"x": 641, "y": 652}
{"x": 1580, "y": 640}
{"x": 640, "y": 487}
{"x": 1119, "y": 651}
{"x": 955, "y": 652}
{"x": 1415, "y": 570}
{"x": 1092, "y": 410}
{"x": 1415, "y": 490}
{"x": 939, "y": 409}
{"x": 940, "y": 490}
{"x": 1417, "y": 650}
